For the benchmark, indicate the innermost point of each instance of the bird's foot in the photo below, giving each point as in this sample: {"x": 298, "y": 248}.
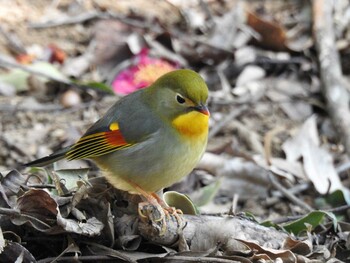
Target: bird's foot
{"x": 168, "y": 210}
{"x": 154, "y": 213}
{"x": 162, "y": 212}
{"x": 159, "y": 212}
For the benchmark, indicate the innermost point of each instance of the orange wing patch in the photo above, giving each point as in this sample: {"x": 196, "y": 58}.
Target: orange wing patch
{"x": 98, "y": 144}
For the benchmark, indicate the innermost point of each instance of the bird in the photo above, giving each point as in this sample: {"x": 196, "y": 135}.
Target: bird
{"x": 149, "y": 139}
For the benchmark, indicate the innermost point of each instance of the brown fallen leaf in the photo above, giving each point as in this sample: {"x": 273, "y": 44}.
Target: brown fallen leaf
{"x": 272, "y": 35}
{"x": 263, "y": 253}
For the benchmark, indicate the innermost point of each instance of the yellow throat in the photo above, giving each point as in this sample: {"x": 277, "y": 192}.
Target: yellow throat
{"x": 192, "y": 124}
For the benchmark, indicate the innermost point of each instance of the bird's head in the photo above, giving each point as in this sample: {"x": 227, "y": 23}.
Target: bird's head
{"x": 180, "y": 97}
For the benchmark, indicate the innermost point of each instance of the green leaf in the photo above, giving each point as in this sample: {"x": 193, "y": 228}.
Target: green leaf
{"x": 339, "y": 197}
{"x": 180, "y": 201}
{"x": 206, "y": 194}
{"x": 313, "y": 219}
{"x": 49, "y": 70}
{"x": 96, "y": 85}
{"x": 18, "y": 77}
{"x": 269, "y": 223}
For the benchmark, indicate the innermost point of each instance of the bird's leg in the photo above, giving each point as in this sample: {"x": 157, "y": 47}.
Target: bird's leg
{"x": 151, "y": 200}
{"x": 154, "y": 202}
{"x": 160, "y": 205}
{"x": 165, "y": 206}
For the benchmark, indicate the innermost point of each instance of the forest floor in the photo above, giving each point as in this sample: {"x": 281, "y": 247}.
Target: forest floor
{"x": 279, "y": 138}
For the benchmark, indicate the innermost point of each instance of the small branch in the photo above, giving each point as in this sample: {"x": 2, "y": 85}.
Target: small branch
{"x": 333, "y": 83}
{"x": 13, "y": 42}
{"x": 10, "y": 145}
{"x": 276, "y": 196}
{"x": 9, "y": 211}
{"x": 343, "y": 167}
{"x": 89, "y": 258}
{"x": 288, "y": 194}
{"x": 268, "y": 142}
{"x": 164, "y": 52}
{"x": 292, "y": 218}
{"x": 5, "y": 63}
{"x": 81, "y": 18}
{"x": 232, "y": 115}
{"x": 198, "y": 259}
{"x": 84, "y": 17}
{"x": 9, "y": 64}
{"x": 206, "y": 232}
{"x": 339, "y": 209}
{"x": 250, "y": 137}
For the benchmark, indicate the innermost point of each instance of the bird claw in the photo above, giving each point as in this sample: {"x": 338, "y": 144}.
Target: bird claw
{"x": 139, "y": 210}
{"x": 150, "y": 214}
{"x": 163, "y": 209}
{"x": 146, "y": 212}
{"x": 177, "y": 214}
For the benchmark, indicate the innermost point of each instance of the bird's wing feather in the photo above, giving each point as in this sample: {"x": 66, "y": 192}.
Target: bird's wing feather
{"x": 123, "y": 126}
{"x": 97, "y": 144}
{"x": 54, "y": 157}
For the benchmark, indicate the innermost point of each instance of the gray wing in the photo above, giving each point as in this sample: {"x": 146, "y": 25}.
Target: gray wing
{"x": 136, "y": 120}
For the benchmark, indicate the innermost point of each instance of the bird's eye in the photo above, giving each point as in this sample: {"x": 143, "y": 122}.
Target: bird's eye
{"x": 180, "y": 99}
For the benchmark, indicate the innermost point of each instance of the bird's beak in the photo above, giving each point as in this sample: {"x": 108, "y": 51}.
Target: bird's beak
{"x": 202, "y": 109}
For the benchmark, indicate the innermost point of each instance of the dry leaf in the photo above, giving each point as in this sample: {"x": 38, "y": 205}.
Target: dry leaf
{"x": 272, "y": 35}
{"x": 318, "y": 163}
{"x": 269, "y": 253}
{"x": 308, "y": 131}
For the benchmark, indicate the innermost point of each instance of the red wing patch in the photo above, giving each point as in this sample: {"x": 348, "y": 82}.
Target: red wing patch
{"x": 97, "y": 144}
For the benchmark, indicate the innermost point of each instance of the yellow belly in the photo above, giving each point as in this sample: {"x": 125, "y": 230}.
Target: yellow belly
{"x": 149, "y": 177}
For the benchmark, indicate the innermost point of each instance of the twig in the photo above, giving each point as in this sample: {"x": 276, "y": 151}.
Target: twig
{"x": 13, "y": 146}
{"x": 164, "y": 52}
{"x": 89, "y": 258}
{"x": 26, "y": 107}
{"x": 14, "y": 43}
{"x": 333, "y": 83}
{"x": 234, "y": 203}
{"x": 233, "y": 114}
{"x": 9, "y": 64}
{"x": 250, "y": 137}
{"x": 292, "y": 218}
{"x": 81, "y": 18}
{"x": 210, "y": 19}
{"x": 203, "y": 232}
{"x": 39, "y": 186}
{"x": 288, "y": 194}
{"x": 276, "y": 196}
{"x": 343, "y": 167}
{"x": 9, "y": 212}
{"x": 197, "y": 259}
{"x": 44, "y": 107}
{"x": 339, "y": 209}
{"x": 84, "y": 17}
{"x": 286, "y": 219}
{"x": 17, "y": 213}
{"x": 268, "y": 141}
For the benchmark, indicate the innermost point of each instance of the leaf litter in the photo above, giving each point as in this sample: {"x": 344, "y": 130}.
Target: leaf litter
{"x": 273, "y": 151}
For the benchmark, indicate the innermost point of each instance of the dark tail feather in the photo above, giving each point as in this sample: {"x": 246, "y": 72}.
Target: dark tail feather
{"x": 54, "y": 157}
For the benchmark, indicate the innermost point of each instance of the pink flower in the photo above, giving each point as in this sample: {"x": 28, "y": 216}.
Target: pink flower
{"x": 144, "y": 71}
